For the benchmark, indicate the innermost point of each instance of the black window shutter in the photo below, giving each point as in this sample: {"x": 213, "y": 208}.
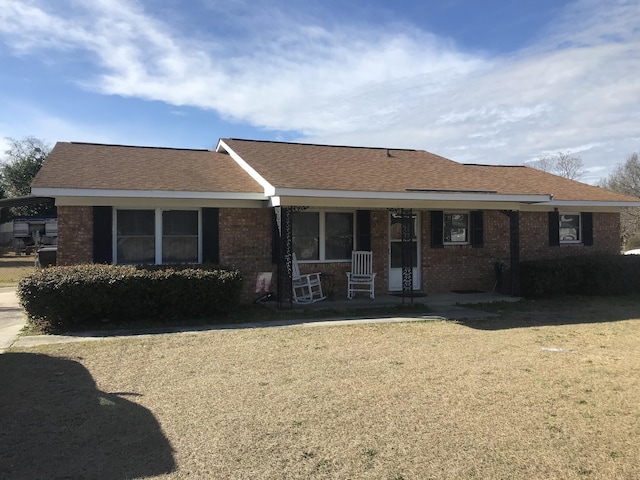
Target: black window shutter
{"x": 437, "y": 229}
{"x": 477, "y": 229}
{"x": 587, "y": 229}
{"x": 103, "y": 235}
{"x": 210, "y": 235}
{"x": 554, "y": 229}
{"x": 363, "y": 230}
{"x": 275, "y": 238}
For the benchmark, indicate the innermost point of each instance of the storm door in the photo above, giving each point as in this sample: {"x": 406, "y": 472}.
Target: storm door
{"x": 412, "y": 244}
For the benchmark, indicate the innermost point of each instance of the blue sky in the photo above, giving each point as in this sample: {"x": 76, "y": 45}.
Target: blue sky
{"x": 481, "y": 81}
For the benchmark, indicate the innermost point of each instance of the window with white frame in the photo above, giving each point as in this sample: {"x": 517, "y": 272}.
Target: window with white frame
{"x": 456, "y": 228}
{"x": 157, "y": 236}
{"x": 135, "y": 236}
{"x": 570, "y": 227}
{"x": 180, "y": 236}
{"x": 322, "y": 236}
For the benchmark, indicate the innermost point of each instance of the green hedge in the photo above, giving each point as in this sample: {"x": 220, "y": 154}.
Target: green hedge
{"x": 584, "y": 275}
{"x": 80, "y": 296}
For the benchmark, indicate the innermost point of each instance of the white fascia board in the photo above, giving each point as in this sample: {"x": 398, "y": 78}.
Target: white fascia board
{"x": 268, "y": 188}
{"x": 96, "y": 192}
{"x": 124, "y": 202}
{"x": 419, "y": 196}
{"x": 587, "y": 203}
{"x": 368, "y": 204}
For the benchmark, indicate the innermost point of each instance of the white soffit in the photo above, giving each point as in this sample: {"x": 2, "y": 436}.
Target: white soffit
{"x": 413, "y": 195}
{"x": 588, "y": 203}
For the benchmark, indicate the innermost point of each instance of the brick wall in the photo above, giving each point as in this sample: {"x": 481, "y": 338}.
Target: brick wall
{"x": 607, "y": 236}
{"x": 75, "y": 235}
{"x": 463, "y": 267}
{"x": 245, "y": 243}
{"x": 534, "y": 237}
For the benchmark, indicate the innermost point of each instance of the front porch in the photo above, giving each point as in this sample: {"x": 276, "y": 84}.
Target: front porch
{"x": 432, "y": 301}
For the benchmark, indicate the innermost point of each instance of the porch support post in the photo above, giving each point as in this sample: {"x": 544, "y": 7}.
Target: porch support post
{"x": 283, "y": 221}
{"x": 514, "y": 251}
{"x": 406, "y": 216}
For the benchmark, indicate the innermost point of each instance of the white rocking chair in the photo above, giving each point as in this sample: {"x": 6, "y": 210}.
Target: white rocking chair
{"x": 361, "y": 277}
{"x": 307, "y": 287}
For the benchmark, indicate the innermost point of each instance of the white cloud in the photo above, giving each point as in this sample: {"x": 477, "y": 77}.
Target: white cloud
{"x": 576, "y": 89}
{"x": 29, "y": 120}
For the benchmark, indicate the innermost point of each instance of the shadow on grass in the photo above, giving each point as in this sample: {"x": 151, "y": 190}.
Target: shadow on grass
{"x": 244, "y": 316}
{"x": 568, "y": 310}
{"x": 55, "y": 423}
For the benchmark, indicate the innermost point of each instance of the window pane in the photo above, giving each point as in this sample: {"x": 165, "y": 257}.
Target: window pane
{"x": 136, "y": 222}
{"x": 456, "y": 227}
{"x": 136, "y": 236}
{"x": 180, "y": 222}
{"x": 136, "y": 250}
{"x": 396, "y": 226}
{"x": 306, "y": 233}
{"x": 179, "y": 236}
{"x": 338, "y": 236}
{"x": 180, "y": 249}
{"x": 570, "y": 228}
{"x": 396, "y": 254}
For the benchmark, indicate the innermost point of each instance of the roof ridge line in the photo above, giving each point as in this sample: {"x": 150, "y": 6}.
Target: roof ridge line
{"x": 488, "y": 165}
{"x": 324, "y": 145}
{"x": 141, "y": 146}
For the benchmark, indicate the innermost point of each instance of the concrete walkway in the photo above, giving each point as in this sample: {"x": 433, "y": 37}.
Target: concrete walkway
{"x": 12, "y": 317}
{"x": 444, "y": 306}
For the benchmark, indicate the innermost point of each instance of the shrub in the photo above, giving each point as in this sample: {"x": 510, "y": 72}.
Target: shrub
{"x": 66, "y": 298}
{"x": 584, "y": 275}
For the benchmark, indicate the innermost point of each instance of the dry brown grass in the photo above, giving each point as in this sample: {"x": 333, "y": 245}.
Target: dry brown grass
{"x": 549, "y": 391}
{"x": 13, "y": 267}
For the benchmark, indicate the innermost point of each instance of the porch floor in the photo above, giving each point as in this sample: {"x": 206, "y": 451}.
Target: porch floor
{"x": 430, "y": 300}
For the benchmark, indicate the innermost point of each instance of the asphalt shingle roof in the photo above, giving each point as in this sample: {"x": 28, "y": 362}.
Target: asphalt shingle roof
{"x": 322, "y": 167}
{"x": 295, "y": 166}
{"x": 117, "y": 167}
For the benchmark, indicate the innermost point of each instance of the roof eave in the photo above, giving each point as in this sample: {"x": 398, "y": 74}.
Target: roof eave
{"x": 589, "y": 203}
{"x": 168, "y": 194}
{"x": 454, "y": 196}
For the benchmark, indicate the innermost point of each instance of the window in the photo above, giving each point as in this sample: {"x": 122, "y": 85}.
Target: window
{"x": 305, "y": 228}
{"x": 322, "y": 236}
{"x": 570, "y": 228}
{"x": 338, "y": 238}
{"x": 180, "y": 236}
{"x": 157, "y": 236}
{"x": 136, "y": 236}
{"x": 456, "y": 228}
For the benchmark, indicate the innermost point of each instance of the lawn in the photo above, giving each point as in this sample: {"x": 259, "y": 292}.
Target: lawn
{"x": 13, "y": 267}
{"x": 549, "y": 390}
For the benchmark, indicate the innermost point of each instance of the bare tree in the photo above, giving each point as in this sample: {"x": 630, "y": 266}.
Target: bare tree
{"x": 21, "y": 162}
{"x": 562, "y": 164}
{"x": 625, "y": 178}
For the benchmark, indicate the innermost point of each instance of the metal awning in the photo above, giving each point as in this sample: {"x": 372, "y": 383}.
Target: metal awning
{"x": 22, "y": 201}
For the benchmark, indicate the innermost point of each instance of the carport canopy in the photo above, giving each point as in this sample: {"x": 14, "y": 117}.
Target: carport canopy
{"x": 23, "y": 201}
